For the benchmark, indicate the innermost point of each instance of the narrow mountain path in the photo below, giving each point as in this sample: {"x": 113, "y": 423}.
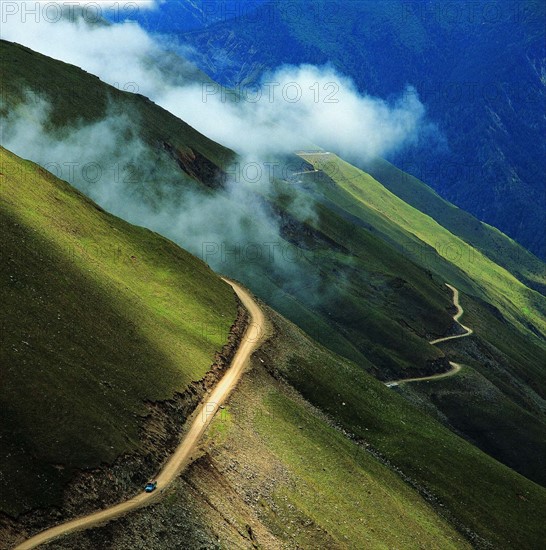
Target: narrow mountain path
{"x": 455, "y": 367}
{"x": 183, "y": 453}
{"x": 456, "y": 317}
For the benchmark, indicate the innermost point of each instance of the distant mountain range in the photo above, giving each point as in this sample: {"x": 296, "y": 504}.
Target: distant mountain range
{"x": 179, "y": 16}
{"x": 478, "y": 67}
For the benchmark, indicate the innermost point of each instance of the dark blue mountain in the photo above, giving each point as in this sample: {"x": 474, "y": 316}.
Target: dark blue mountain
{"x": 181, "y": 16}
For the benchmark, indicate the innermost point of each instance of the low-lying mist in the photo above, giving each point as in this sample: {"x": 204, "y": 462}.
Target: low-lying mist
{"x": 237, "y": 229}
{"x": 234, "y": 229}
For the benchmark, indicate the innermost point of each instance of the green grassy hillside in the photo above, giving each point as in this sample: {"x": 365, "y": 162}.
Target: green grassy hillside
{"x": 98, "y": 316}
{"x": 78, "y": 97}
{"x": 471, "y": 404}
{"x": 483, "y": 237}
{"x": 368, "y": 199}
{"x": 507, "y": 347}
{"x": 373, "y": 472}
{"x": 502, "y": 507}
{"x": 364, "y": 273}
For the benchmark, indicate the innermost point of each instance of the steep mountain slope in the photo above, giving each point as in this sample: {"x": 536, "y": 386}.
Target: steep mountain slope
{"x": 389, "y": 214}
{"x": 99, "y": 320}
{"x": 361, "y": 271}
{"x": 95, "y": 298}
{"x": 77, "y": 98}
{"x": 356, "y": 267}
{"x": 276, "y": 471}
{"x": 483, "y": 237}
{"x": 510, "y": 362}
{"x": 478, "y": 68}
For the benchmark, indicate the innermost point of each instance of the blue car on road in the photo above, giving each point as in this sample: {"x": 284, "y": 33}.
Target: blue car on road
{"x": 150, "y": 486}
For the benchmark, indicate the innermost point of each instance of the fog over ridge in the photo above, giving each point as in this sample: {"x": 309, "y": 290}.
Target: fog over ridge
{"x": 293, "y": 107}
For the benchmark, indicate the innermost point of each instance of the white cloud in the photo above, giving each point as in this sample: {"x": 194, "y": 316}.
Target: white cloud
{"x": 298, "y": 105}
{"x": 104, "y": 5}
{"x": 293, "y": 108}
{"x": 109, "y": 163}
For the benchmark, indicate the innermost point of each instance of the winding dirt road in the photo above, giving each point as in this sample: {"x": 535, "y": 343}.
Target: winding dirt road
{"x": 455, "y": 367}
{"x": 183, "y": 453}
{"x": 456, "y": 317}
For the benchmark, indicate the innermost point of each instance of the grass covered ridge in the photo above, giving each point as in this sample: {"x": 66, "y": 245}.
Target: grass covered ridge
{"x": 77, "y": 98}
{"x": 484, "y": 496}
{"x": 274, "y": 473}
{"x": 437, "y": 248}
{"x": 98, "y": 316}
{"x": 491, "y": 242}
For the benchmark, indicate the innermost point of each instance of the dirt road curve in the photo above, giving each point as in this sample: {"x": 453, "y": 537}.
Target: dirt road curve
{"x": 183, "y": 454}
{"x": 456, "y": 317}
{"x": 455, "y": 367}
